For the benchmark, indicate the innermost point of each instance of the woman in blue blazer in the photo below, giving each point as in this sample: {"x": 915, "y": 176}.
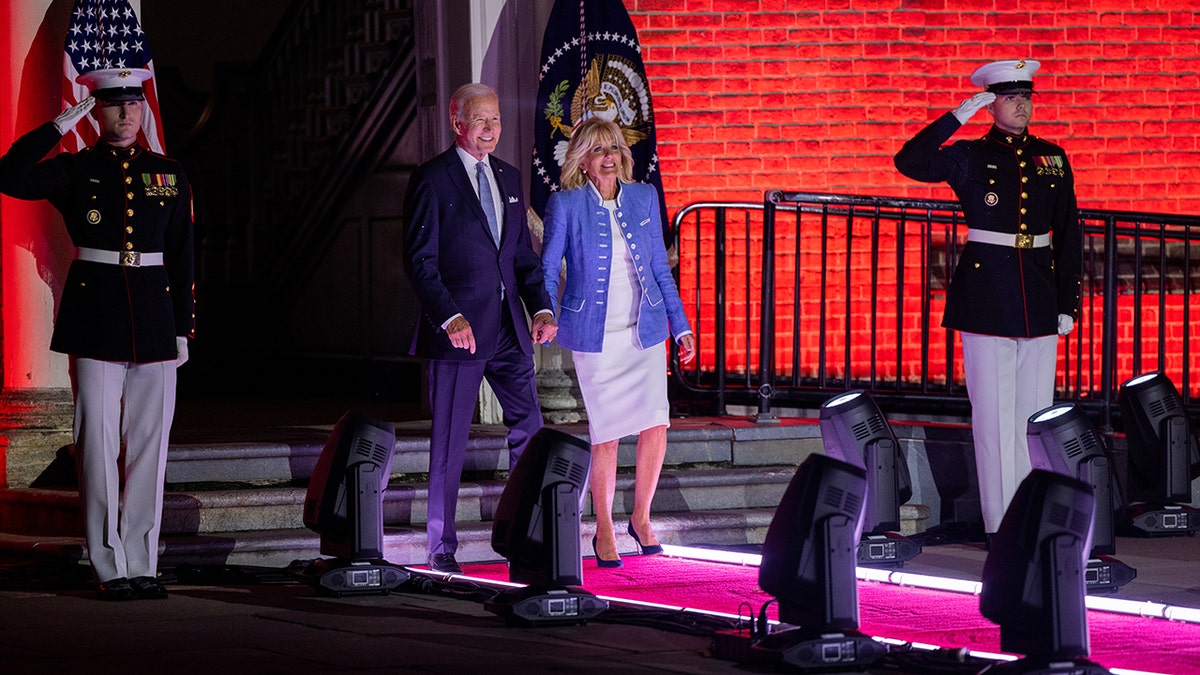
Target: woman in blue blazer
{"x": 618, "y": 306}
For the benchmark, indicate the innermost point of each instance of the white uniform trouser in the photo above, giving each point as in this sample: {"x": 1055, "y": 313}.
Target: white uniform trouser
{"x": 1008, "y": 380}
{"x": 122, "y": 539}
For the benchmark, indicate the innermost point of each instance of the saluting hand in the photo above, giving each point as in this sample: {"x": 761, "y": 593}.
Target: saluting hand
{"x": 460, "y": 334}
{"x": 969, "y": 107}
{"x": 67, "y": 119}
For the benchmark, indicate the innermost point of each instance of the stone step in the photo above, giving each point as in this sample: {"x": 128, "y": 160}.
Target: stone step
{"x": 57, "y": 513}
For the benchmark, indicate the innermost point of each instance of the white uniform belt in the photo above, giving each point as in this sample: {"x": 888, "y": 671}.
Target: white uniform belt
{"x": 122, "y": 258}
{"x": 1003, "y": 239}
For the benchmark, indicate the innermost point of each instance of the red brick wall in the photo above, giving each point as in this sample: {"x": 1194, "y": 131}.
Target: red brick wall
{"x": 813, "y": 95}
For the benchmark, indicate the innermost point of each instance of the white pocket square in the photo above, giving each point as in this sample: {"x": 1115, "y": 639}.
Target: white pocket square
{"x": 512, "y": 200}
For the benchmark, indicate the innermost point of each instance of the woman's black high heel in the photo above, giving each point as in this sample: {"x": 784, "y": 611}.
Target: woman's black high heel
{"x": 646, "y": 550}
{"x": 601, "y": 562}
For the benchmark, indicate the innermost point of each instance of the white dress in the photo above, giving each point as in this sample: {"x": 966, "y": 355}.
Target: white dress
{"x": 624, "y": 387}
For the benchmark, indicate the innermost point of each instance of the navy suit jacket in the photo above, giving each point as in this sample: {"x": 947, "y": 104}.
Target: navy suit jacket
{"x": 454, "y": 265}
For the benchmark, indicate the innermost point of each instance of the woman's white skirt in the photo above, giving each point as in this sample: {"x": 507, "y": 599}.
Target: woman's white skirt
{"x": 624, "y": 388}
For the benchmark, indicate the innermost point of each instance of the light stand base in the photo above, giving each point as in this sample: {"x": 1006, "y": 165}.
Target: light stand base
{"x": 808, "y": 650}
{"x": 1032, "y": 666}
{"x": 1106, "y": 574}
{"x": 1159, "y": 520}
{"x": 890, "y": 549}
{"x": 339, "y": 576}
{"x": 530, "y": 605}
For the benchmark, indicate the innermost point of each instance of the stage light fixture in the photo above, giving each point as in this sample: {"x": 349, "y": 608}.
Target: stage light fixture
{"x": 1033, "y": 577}
{"x": 1162, "y": 457}
{"x": 536, "y": 528}
{"x": 808, "y": 566}
{"x": 344, "y": 504}
{"x": 854, "y": 430}
{"x": 1062, "y": 439}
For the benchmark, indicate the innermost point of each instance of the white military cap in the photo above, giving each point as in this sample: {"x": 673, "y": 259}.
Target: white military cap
{"x": 1005, "y": 77}
{"x": 115, "y": 84}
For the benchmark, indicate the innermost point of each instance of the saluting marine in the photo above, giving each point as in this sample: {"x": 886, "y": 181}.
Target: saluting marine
{"x": 125, "y": 316}
{"x": 1016, "y": 285}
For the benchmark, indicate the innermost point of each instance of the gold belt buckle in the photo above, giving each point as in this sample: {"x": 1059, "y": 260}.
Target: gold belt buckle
{"x": 1024, "y": 241}
{"x": 131, "y": 259}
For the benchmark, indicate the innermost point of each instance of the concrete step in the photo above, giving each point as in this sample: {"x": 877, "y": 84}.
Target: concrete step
{"x": 403, "y": 545}
{"x": 57, "y": 512}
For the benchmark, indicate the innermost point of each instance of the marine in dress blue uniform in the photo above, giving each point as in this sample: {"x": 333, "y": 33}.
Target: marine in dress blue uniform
{"x": 1016, "y": 285}
{"x": 125, "y": 315}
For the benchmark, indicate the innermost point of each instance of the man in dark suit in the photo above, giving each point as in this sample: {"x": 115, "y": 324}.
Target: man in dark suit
{"x": 469, "y": 258}
{"x": 125, "y": 317}
{"x": 1016, "y": 286}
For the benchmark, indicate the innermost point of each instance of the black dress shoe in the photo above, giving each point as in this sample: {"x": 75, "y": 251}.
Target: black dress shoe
{"x": 646, "y": 550}
{"x": 444, "y": 563}
{"x": 147, "y": 588}
{"x": 115, "y": 589}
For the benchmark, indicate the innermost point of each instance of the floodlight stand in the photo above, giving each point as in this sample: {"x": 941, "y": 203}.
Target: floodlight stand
{"x": 889, "y": 549}
{"x": 339, "y": 576}
{"x": 533, "y": 606}
{"x": 810, "y": 650}
{"x": 1106, "y": 574}
{"x": 1159, "y": 520}
{"x": 1042, "y": 666}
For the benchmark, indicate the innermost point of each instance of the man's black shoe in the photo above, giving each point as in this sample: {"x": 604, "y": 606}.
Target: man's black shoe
{"x": 147, "y": 588}
{"x": 115, "y": 589}
{"x": 444, "y": 563}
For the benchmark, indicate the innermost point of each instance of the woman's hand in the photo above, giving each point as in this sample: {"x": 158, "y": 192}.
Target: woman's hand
{"x": 687, "y": 348}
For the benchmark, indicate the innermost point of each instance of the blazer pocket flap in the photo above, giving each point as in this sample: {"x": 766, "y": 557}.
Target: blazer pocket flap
{"x": 571, "y": 303}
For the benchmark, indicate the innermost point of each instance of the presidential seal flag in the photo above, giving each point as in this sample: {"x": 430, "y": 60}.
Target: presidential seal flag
{"x": 106, "y": 34}
{"x": 591, "y": 67}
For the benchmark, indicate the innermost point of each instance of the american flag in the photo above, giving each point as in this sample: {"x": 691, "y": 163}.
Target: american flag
{"x": 106, "y": 34}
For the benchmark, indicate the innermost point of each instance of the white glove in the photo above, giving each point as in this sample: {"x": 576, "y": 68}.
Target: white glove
{"x": 969, "y": 107}
{"x": 181, "y": 348}
{"x": 1065, "y": 324}
{"x": 67, "y": 119}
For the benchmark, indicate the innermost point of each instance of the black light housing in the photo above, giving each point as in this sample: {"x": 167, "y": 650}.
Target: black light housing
{"x": 1062, "y": 439}
{"x": 1162, "y": 456}
{"x": 536, "y": 528}
{"x": 854, "y": 430}
{"x": 344, "y": 504}
{"x": 808, "y": 566}
{"x": 1033, "y": 578}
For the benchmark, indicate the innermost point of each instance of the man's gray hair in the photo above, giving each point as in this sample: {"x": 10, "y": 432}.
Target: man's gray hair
{"x": 461, "y": 98}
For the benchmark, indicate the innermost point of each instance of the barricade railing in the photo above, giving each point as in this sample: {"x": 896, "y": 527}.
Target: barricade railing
{"x": 809, "y": 294}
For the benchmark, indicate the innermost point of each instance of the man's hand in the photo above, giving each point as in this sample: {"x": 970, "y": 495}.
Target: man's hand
{"x": 1065, "y": 324}
{"x": 181, "y": 350}
{"x": 460, "y": 334}
{"x": 687, "y": 348}
{"x": 67, "y": 119}
{"x": 969, "y": 107}
{"x": 544, "y": 329}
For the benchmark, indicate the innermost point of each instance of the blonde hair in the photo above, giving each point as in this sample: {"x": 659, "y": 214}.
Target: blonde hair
{"x": 586, "y": 135}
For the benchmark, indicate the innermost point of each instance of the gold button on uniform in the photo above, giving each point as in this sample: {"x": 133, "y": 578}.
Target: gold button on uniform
{"x": 128, "y": 180}
{"x": 1024, "y": 227}
{"x": 128, "y": 229}
{"x": 129, "y": 195}
{"x": 129, "y": 212}
{"x": 124, "y": 165}
{"x": 129, "y": 246}
{"x": 1019, "y": 152}
{"x": 1024, "y": 195}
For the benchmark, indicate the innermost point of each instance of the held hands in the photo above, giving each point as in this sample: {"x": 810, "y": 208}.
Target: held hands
{"x": 181, "y": 350}
{"x": 544, "y": 329}
{"x": 969, "y": 107}
{"x": 1065, "y": 324}
{"x": 67, "y": 119}
{"x": 687, "y": 348}
{"x": 460, "y": 334}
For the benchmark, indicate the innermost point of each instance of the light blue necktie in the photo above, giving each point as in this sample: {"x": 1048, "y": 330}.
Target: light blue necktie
{"x": 485, "y": 200}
